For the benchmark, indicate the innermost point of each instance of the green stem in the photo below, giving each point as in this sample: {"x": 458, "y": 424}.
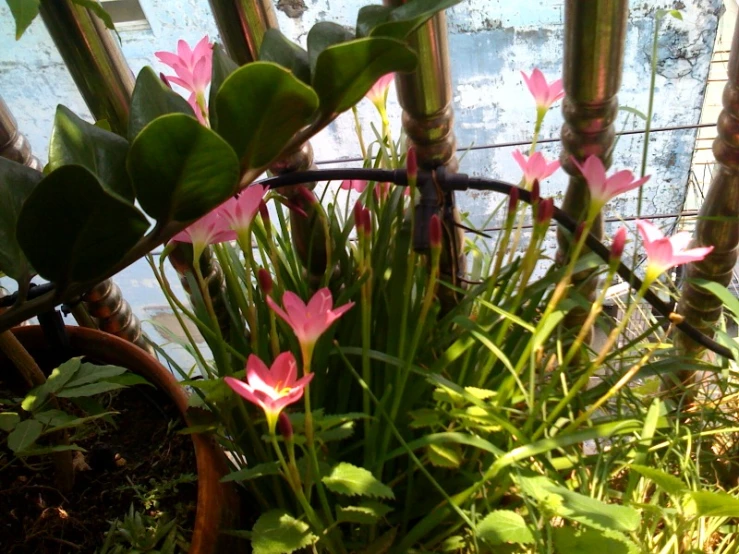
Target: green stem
{"x": 212, "y": 313}
{"x": 358, "y": 130}
{"x": 251, "y": 318}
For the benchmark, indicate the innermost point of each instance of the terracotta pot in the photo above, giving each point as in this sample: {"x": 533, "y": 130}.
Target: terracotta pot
{"x": 218, "y": 503}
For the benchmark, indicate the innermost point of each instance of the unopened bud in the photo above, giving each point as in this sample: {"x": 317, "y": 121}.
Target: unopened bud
{"x": 307, "y": 195}
{"x": 545, "y": 211}
{"x": 435, "y": 231}
{"x": 366, "y": 222}
{"x": 284, "y": 426}
{"x": 513, "y": 201}
{"x": 535, "y": 192}
{"x": 265, "y": 280}
{"x": 411, "y": 164}
{"x": 358, "y": 219}
{"x": 264, "y": 212}
{"x": 618, "y": 244}
{"x": 579, "y": 231}
{"x": 164, "y": 79}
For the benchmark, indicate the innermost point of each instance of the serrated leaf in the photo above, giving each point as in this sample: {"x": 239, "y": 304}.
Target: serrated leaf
{"x": 89, "y": 390}
{"x": 277, "y": 532}
{"x": 710, "y": 504}
{"x": 367, "y": 513}
{"x": 424, "y": 418}
{"x": 61, "y": 375}
{"x": 180, "y": 169}
{"x": 90, "y": 373}
{"x": 353, "y": 481}
{"x": 152, "y": 99}
{"x": 443, "y": 456}
{"x": 277, "y": 48}
{"x": 103, "y": 153}
{"x": 669, "y": 483}
{"x": 588, "y": 541}
{"x": 8, "y": 421}
{"x": 337, "y": 433}
{"x": 248, "y": 473}
{"x": 482, "y": 394}
{"x": 504, "y": 527}
{"x": 24, "y": 435}
{"x": 24, "y": 12}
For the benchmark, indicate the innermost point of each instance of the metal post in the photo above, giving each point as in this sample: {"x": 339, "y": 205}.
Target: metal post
{"x": 718, "y": 219}
{"x": 94, "y": 59}
{"x": 595, "y": 33}
{"x": 13, "y": 144}
{"x": 428, "y": 119}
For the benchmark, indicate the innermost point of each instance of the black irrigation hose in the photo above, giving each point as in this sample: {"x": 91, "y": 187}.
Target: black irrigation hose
{"x": 444, "y": 182}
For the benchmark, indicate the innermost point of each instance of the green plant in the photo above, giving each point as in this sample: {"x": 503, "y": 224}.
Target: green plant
{"x": 139, "y": 533}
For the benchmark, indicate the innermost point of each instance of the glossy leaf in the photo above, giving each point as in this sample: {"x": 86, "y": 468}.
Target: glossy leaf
{"x": 61, "y": 375}
{"x": 370, "y": 17}
{"x": 345, "y": 72}
{"x": 24, "y": 435}
{"x": 90, "y": 373}
{"x": 277, "y": 532}
{"x": 405, "y": 19}
{"x": 8, "y": 421}
{"x": 587, "y": 541}
{"x": 323, "y": 35}
{"x": 90, "y": 389}
{"x": 277, "y": 48}
{"x": 151, "y": 99}
{"x": 95, "y": 7}
{"x": 16, "y": 184}
{"x": 504, "y": 527}
{"x": 24, "y": 12}
{"x": 180, "y": 169}
{"x": 223, "y": 66}
{"x": 71, "y": 229}
{"x": 352, "y": 481}
{"x": 260, "y": 108}
{"x": 75, "y": 141}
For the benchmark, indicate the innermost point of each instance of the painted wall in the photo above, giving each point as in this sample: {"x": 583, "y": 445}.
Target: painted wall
{"x": 490, "y": 41}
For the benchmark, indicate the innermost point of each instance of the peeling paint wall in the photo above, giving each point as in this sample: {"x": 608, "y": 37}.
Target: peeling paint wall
{"x": 491, "y": 41}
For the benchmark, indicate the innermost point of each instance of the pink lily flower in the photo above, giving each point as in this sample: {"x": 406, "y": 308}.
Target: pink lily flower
{"x": 603, "y": 188}
{"x": 209, "y": 229}
{"x": 309, "y": 321}
{"x": 193, "y": 70}
{"x": 666, "y": 252}
{"x": 381, "y": 190}
{"x": 545, "y": 94}
{"x": 534, "y": 167}
{"x": 271, "y": 389}
{"x": 239, "y": 211}
{"x": 379, "y": 91}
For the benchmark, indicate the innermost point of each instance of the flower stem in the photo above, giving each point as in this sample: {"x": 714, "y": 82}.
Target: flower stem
{"x": 358, "y": 130}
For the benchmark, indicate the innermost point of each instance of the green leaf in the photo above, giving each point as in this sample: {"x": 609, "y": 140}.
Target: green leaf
{"x": 89, "y": 390}
{"x": 352, "y": 481}
{"x": 76, "y": 422}
{"x": 721, "y": 292}
{"x": 443, "y": 456}
{"x": 61, "y": 375}
{"x": 8, "y": 421}
{"x": 52, "y": 418}
{"x": 641, "y": 115}
{"x": 345, "y": 72}
{"x": 504, "y": 527}
{"x": 16, "y": 184}
{"x": 277, "y": 48}
{"x": 130, "y": 379}
{"x": 35, "y": 398}
{"x": 71, "y": 229}
{"x": 90, "y": 373}
{"x": 669, "y": 483}
{"x": 24, "y": 435}
{"x": 405, "y": 19}
{"x": 151, "y": 99}
{"x": 180, "y": 169}
{"x": 46, "y": 450}
{"x": 367, "y": 513}
{"x": 424, "y": 417}
{"x": 277, "y": 532}
{"x": 260, "y": 108}
{"x": 710, "y": 504}
{"x": 323, "y": 35}
{"x": 95, "y": 7}
{"x": 24, "y": 12}
{"x": 75, "y": 141}
{"x": 223, "y": 66}
{"x": 370, "y": 17}
{"x": 248, "y": 473}
{"x": 587, "y": 541}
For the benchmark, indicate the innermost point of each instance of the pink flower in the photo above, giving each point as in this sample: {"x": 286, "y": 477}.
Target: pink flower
{"x": 209, "y": 229}
{"x": 545, "y": 94}
{"x": 618, "y": 244}
{"x": 193, "y": 71}
{"x": 381, "y": 190}
{"x": 534, "y": 167}
{"x": 271, "y": 389}
{"x": 666, "y": 252}
{"x": 239, "y": 211}
{"x": 309, "y": 321}
{"x": 378, "y": 93}
{"x": 603, "y": 188}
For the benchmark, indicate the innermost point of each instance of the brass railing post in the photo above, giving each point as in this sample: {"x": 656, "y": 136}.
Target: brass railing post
{"x": 718, "y": 220}
{"x": 595, "y": 33}
{"x": 428, "y": 119}
{"x": 242, "y": 24}
{"x": 13, "y": 144}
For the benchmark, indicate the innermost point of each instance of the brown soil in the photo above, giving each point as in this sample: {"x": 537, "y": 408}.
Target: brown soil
{"x": 35, "y": 517}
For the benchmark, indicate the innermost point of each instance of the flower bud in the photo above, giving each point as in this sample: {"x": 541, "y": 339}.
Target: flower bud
{"x": 411, "y": 164}
{"x": 264, "y": 212}
{"x": 435, "y": 231}
{"x": 358, "y": 218}
{"x": 265, "y": 280}
{"x": 545, "y": 211}
{"x": 618, "y": 244}
{"x": 579, "y": 231}
{"x": 535, "y": 192}
{"x": 366, "y": 222}
{"x": 284, "y": 426}
{"x": 513, "y": 201}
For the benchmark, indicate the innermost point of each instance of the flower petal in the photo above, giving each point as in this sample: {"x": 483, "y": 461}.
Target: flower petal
{"x": 258, "y": 374}
{"x": 285, "y": 370}
{"x": 648, "y": 231}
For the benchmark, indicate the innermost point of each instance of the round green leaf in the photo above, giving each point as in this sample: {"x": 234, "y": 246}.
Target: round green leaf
{"x": 151, "y": 99}
{"x": 323, "y": 35}
{"x": 408, "y": 17}
{"x": 72, "y": 229}
{"x": 277, "y": 48}
{"x": 345, "y": 72}
{"x": 181, "y": 170}
{"x": 223, "y": 66}
{"x": 260, "y": 108}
